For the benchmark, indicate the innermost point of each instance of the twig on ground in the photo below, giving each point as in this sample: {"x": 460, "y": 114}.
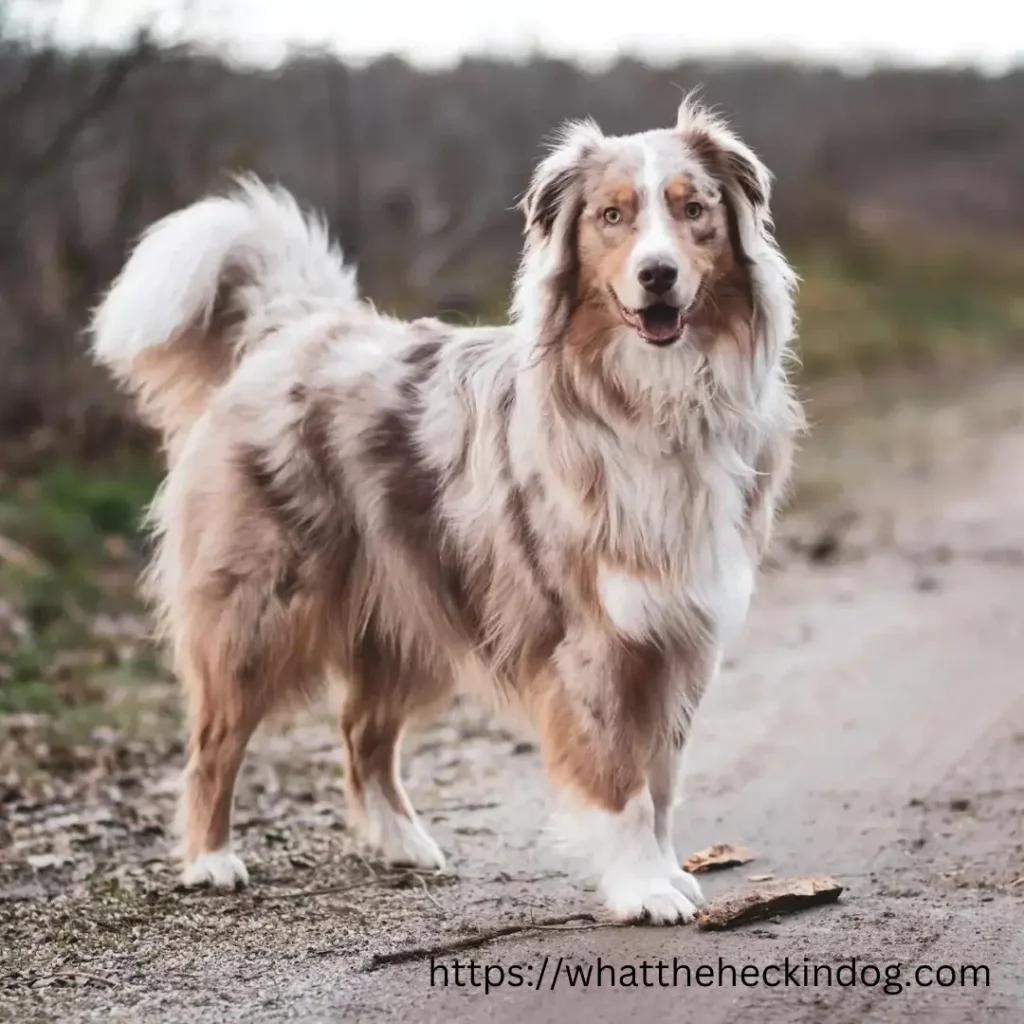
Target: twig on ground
{"x": 447, "y": 808}
{"x": 503, "y": 877}
{"x": 79, "y": 974}
{"x": 426, "y": 892}
{"x": 366, "y": 864}
{"x": 385, "y": 881}
{"x": 579, "y": 922}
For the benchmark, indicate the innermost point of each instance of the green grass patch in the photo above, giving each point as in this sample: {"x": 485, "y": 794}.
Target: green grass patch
{"x": 73, "y": 513}
{"x": 77, "y": 538}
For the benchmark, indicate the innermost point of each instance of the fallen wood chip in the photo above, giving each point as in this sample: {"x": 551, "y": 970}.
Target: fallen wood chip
{"x": 783, "y": 897}
{"x": 715, "y": 858}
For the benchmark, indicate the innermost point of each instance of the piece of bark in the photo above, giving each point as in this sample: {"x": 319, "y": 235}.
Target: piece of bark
{"x": 783, "y": 897}
{"x": 715, "y": 858}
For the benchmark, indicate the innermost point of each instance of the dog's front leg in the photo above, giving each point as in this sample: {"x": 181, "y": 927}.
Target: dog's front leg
{"x": 666, "y": 768}
{"x": 691, "y": 680}
{"x": 602, "y": 729}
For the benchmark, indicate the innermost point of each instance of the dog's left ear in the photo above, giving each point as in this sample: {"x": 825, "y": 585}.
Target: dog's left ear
{"x": 746, "y": 191}
{"x": 734, "y": 165}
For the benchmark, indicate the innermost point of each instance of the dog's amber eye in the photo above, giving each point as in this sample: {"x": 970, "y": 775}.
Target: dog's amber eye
{"x": 612, "y": 215}
{"x": 693, "y": 210}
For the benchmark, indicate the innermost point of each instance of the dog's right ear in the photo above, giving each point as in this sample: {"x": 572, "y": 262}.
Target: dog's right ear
{"x": 556, "y": 187}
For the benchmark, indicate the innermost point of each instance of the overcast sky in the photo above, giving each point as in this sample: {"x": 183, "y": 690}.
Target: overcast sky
{"x": 437, "y": 31}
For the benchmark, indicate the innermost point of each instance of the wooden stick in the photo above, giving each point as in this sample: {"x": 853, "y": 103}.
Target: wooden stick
{"x": 402, "y": 956}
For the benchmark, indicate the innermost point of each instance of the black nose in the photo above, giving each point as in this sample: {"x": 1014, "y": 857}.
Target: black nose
{"x": 657, "y": 276}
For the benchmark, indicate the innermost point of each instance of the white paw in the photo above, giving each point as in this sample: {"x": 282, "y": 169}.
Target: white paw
{"x": 688, "y": 886}
{"x": 221, "y": 869}
{"x": 401, "y": 839}
{"x": 404, "y": 841}
{"x": 654, "y": 899}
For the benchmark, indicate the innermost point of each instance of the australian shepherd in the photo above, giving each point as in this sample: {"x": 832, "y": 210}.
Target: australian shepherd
{"x": 566, "y": 513}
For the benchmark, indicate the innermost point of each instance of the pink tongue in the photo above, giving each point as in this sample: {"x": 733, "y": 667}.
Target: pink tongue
{"x": 659, "y": 330}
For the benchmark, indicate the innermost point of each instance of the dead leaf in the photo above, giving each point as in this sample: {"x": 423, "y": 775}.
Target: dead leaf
{"x": 715, "y": 858}
{"x": 759, "y": 878}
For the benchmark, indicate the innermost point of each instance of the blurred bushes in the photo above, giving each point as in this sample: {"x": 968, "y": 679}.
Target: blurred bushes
{"x": 417, "y": 173}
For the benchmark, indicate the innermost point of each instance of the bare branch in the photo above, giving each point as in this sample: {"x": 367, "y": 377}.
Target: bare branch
{"x": 99, "y": 99}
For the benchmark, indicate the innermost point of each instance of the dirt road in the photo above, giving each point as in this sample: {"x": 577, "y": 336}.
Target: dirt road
{"x": 871, "y": 727}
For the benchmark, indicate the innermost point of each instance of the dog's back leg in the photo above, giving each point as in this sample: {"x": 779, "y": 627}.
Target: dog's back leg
{"x": 222, "y": 724}
{"x": 250, "y": 646}
{"x": 381, "y": 693}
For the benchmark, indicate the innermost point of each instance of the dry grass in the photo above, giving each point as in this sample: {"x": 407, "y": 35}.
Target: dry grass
{"x": 880, "y": 310}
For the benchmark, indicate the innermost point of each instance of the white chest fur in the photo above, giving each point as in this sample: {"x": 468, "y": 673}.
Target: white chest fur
{"x": 692, "y": 526}
{"x": 652, "y": 607}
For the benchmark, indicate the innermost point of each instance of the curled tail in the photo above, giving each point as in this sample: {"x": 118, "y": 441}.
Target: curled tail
{"x": 205, "y": 286}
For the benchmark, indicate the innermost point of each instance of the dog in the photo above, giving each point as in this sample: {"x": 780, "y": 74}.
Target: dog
{"x": 566, "y": 513}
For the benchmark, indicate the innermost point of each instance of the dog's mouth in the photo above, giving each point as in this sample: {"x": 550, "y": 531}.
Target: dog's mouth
{"x": 659, "y": 324}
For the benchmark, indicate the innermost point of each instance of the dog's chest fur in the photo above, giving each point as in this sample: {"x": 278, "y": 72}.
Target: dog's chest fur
{"x": 661, "y": 531}
{"x": 684, "y": 520}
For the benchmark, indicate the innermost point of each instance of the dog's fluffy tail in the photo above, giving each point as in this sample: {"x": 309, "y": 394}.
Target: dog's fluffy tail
{"x": 207, "y": 285}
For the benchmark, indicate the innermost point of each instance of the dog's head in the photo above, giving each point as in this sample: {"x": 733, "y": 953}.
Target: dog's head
{"x": 651, "y": 233}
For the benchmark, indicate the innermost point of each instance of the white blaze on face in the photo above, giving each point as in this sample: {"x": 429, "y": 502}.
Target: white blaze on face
{"x": 656, "y": 241}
